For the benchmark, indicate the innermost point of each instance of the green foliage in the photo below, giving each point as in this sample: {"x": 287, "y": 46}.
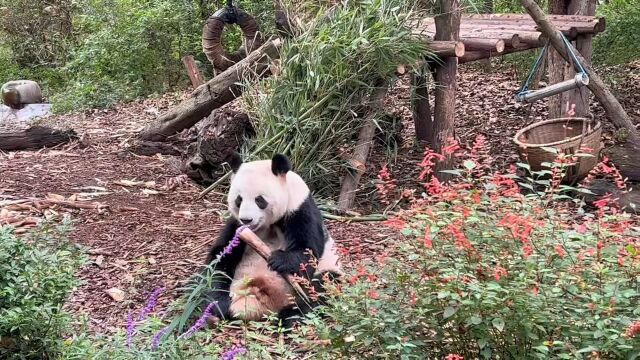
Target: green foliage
{"x": 486, "y": 272}
{"x": 310, "y": 110}
{"x": 36, "y": 276}
{"x": 620, "y": 42}
{"x": 130, "y": 49}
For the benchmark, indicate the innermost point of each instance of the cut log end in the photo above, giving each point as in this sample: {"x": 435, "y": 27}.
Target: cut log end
{"x": 459, "y": 49}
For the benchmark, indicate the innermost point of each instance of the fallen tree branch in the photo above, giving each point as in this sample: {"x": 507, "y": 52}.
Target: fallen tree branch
{"x": 36, "y": 137}
{"x": 217, "y": 92}
{"x": 251, "y": 239}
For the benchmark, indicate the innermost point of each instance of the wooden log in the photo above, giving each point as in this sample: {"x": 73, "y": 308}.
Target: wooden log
{"x": 628, "y": 201}
{"x": 614, "y": 110}
{"x": 216, "y": 92}
{"x": 626, "y": 157}
{"x": 360, "y": 154}
{"x": 220, "y": 134}
{"x": 470, "y": 56}
{"x": 36, "y": 137}
{"x": 444, "y": 49}
{"x": 262, "y": 249}
{"x": 192, "y": 70}
{"x": 420, "y": 106}
{"x": 151, "y": 148}
{"x": 442, "y": 127}
{"x": 496, "y": 45}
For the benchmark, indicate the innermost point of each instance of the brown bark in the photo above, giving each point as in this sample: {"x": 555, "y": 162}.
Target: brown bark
{"x": 36, "y": 137}
{"x": 495, "y": 45}
{"x": 220, "y": 134}
{"x": 470, "y": 56}
{"x": 444, "y": 49}
{"x": 626, "y": 157}
{"x": 216, "y": 92}
{"x": 441, "y": 128}
{"x": 558, "y": 69}
{"x": 358, "y": 161}
{"x": 421, "y": 107}
{"x": 151, "y": 148}
{"x": 192, "y": 70}
{"x": 615, "y": 111}
{"x": 584, "y": 45}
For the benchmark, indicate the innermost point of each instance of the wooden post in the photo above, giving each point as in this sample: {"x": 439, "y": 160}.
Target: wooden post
{"x": 557, "y": 67}
{"x": 358, "y": 160}
{"x": 441, "y": 128}
{"x": 192, "y": 70}
{"x": 615, "y": 111}
{"x": 584, "y": 45}
{"x": 421, "y": 107}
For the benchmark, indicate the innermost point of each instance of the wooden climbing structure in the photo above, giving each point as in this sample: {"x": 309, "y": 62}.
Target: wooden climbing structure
{"x": 489, "y": 35}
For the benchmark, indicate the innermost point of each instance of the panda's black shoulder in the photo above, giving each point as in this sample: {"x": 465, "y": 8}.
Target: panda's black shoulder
{"x": 305, "y": 220}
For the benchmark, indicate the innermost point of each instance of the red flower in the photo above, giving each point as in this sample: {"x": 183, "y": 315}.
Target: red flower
{"x": 454, "y": 357}
{"x": 499, "y": 272}
{"x": 395, "y": 223}
{"x": 560, "y": 251}
{"x": 633, "y": 329}
{"x": 428, "y": 241}
{"x": 373, "y": 294}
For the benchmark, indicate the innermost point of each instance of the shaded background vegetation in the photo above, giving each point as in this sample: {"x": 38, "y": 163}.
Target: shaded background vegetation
{"x": 90, "y": 53}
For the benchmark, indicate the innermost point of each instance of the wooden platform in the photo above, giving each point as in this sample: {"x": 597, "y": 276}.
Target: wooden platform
{"x": 488, "y": 35}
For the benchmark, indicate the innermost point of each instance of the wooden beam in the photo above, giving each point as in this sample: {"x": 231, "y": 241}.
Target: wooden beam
{"x": 496, "y": 45}
{"x": 192, "y": 70}
{"x": 420, "y": 106}
{"x": 615, "y": 111}
{"x": 443, "y": 49}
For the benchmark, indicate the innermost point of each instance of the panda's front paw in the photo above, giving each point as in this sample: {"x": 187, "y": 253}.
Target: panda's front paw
{"x": 285, "y": 262}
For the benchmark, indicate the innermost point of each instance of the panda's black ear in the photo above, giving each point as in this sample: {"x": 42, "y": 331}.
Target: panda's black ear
{"x": 234, "y": 160}
{"x": 280, "y": 165}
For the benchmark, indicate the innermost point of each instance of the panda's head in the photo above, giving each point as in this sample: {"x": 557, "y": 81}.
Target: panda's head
{"x": 263, "y": 192}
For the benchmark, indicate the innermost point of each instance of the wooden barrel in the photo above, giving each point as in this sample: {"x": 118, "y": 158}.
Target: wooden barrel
{"x": 567, "y": 136}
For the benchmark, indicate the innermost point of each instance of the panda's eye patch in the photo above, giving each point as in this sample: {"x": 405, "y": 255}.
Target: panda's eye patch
{"x": 261, "y": 202}
{"x": 238, "y": 201}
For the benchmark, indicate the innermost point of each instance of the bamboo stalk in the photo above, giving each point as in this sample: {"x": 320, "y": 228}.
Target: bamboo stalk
{"x": 251, "y": 239}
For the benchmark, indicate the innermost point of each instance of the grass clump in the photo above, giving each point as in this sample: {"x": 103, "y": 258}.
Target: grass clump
{"x": 312, "y": 110}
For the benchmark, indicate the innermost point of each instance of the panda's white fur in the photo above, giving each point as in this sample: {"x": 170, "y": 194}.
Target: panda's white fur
{"x": 255, "y": 289}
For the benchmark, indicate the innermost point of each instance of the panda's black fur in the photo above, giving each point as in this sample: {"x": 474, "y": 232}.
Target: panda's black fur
{"x": 302, "y": 229}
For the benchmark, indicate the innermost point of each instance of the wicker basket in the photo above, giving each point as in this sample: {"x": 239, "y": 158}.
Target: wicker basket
{"x": 568, "y": 135}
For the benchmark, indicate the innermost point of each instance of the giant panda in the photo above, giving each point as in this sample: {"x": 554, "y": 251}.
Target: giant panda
{"x": 277, "y": 205}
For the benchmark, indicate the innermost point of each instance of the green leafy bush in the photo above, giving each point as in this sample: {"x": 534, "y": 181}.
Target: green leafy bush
{"x": 620, "y": 42}
{"x": 482, "y": 271}
{"x": 36, "y": 276}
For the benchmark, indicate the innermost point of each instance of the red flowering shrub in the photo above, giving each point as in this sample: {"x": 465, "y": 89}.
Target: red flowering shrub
{"x": 482, "y": 271}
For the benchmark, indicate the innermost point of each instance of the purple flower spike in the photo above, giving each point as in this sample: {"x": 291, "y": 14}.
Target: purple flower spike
{"x": 131, "y": 326}
{"x": 151, "y": 304}
{"x": 200, "y": 323}
{"x": 156, "y": 338}
{"x": 232, "y": 244}
{"x": 231, "y": 354}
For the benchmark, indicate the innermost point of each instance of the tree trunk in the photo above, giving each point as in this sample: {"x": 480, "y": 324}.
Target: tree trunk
{"x": 580, "y": 96}
{"x": 421, "y": 107}
{"x": 36, "y": 137}
{"x": 558, "y": 68}
{"x": 358, "y": 160}
{"x": 221, "y": 134}
{"x": 442, "y": 126}
{"x": 215, "y": 93}
{"x": 192, "y": 70}
{"x": 614, "y": 110}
